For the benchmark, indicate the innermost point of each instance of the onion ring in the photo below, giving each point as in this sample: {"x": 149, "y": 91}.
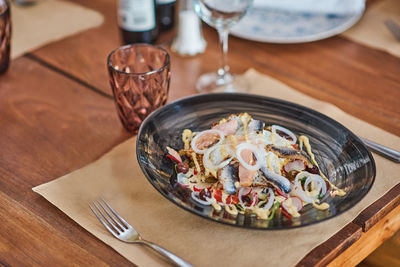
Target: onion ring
{"x": 256, "y": 153}
{"x": 207, "y": 162}
{"x": 304, "y": 194}
{"x": 321, "y": 185}
{"x": 296, "y": 202}
{"x": 243, "y": 191}
{"x": 197, "y": 199}
{"x": 286, "y": 131}
{"x": 212, "y": 131}
{"x": 182, "y": 180}
{"x": 270, "y": 201}
{"x": 298, "y": 191}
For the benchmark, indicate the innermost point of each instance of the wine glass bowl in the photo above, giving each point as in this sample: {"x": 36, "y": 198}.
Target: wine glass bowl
{"x": 221, "y": 15}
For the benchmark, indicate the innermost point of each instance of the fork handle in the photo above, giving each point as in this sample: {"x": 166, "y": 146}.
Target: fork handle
{"x": 172, "y": 257}
{"x": 387, "y": 152}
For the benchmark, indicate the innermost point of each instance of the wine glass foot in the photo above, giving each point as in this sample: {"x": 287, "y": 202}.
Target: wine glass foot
{"x": 214, "y": 83}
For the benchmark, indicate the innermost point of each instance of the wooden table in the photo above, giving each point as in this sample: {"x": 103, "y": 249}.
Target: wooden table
{"x": 57, "y": 115}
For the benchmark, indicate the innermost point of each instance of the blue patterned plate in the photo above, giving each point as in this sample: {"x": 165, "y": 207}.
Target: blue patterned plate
{"x": 280, "y": 26}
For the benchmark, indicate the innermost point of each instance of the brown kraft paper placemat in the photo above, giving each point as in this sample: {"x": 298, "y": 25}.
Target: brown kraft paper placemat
{"x": 371, "y": 30}
{"x": 117, "y": 177}
{"x": 48, "y": 21}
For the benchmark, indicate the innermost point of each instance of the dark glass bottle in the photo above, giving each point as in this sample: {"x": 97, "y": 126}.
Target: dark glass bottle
{"x": 5, "y": 35}
{"x": 137, "y": 21}
{"x": 165, "y": 10}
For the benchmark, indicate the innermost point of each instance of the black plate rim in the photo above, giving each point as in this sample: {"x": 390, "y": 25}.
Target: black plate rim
{"x": 265, "y": 98}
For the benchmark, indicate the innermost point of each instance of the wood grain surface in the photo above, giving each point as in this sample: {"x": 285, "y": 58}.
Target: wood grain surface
{"x": 370, "y": 240}
{"x": 56, "y": 115}
{"x": 385, "y": 255}
{"x": 326, "y": 252}
{"x": 47, "y": 130}
{"x": 377, "y": 210}
{"x": 362, "y": 81}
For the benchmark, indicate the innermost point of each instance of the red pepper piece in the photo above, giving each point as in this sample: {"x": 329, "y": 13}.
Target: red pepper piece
{"x": 218, "y": 195}
{"x": 232, "y": 199}
{"x": 196, "y": 189}
{"x": 173, "y": 158}
{"x": 286, "y": 214}
{"x": 280, "y": 193}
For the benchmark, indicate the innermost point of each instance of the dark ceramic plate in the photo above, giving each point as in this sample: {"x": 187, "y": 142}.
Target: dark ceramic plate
{"x": 340, "y": 154}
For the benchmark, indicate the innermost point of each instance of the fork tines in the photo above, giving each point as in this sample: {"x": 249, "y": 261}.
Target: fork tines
{"x": 109, "y": 217}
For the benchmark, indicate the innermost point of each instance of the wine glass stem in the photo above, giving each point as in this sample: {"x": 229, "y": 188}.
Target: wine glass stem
{"x": 223, "y": 39}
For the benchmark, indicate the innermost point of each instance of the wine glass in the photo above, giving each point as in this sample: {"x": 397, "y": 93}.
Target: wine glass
{"x": 221, "y": 15}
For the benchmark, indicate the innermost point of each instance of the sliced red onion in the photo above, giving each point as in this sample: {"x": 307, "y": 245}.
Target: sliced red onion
{"x": 256, "y": 152}
{"x": 317, "y": 180}
{"x": 174, "y": 153}
{"x": 243, "y": 191}
{"x": 286, "y": 131}
{"x": 255, "y": 200}
{"x": 195, "y": 196}
{"x": 182, "y": 180}
{"x": 282, "y": 194}
{"x": 297, "y": 165}
{"x": 196, "y": 189}
{"x": 201, "y": 186}
{"x": 270, "y": 201}
{"x": 296, "y": 202}
{"x": 207, "y": 161}
{"x": 301, "y": 175}
{"x": 298, "y": 191}
{"x": 318, "y": 183}
{"x": 212, "y": 131}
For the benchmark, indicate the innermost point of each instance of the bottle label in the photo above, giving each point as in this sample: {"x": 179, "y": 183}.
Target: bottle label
{"x": 136, "y": 15}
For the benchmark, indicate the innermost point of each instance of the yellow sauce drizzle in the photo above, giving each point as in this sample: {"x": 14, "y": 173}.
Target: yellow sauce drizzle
{"x": 261, "y": 213}
{"x": 278, "y": 164}
{"x": 269, "y": 163}
{"x": 306, "y": 141}
{"x": 196, "y": 163}
{"x": 187, "y": 136}
{"x": 338, "y": 191}
{"x": 291, "y": 208}
{"x": 231, "y": 209}
{"x": 322, "y": 206}
{"x": 216, "y": 206}
{"x": 233, "y": 140}
{"x": 222, "y": 121}
{"x": 223, "y": 152}
{"x": 279, "y": 198}
{"x": 245, "y": 120}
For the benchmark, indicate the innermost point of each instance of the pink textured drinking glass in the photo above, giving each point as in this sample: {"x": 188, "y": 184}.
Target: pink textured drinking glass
{"x": 139, "y": 78}
{"x": 5, "y": 35}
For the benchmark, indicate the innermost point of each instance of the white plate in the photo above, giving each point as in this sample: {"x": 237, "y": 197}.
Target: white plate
{"x": 280, "y": 26}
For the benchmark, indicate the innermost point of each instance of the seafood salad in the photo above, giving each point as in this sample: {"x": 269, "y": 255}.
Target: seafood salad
{"x": 244, "y": 166}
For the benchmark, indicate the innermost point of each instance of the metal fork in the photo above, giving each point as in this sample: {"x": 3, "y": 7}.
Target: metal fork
{"x": 122, "y": 230}
{"x": 393, "y": 27}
